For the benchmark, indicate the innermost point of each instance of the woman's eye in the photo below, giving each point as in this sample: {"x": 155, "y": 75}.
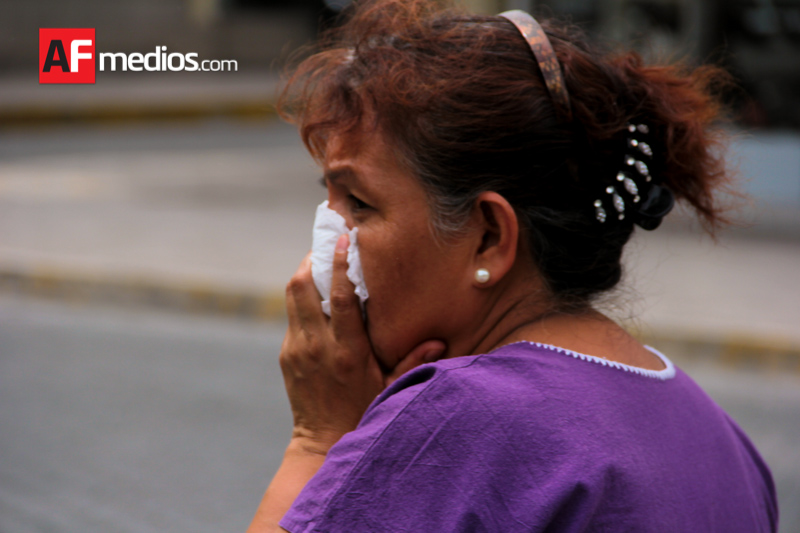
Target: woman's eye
{"x": 357, "y": 204}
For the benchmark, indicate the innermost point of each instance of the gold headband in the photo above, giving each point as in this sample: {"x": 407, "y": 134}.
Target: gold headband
{"x": 546, "y": 58}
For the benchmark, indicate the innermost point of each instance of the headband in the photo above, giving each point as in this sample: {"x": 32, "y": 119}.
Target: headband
{"x": 545, "y": 57}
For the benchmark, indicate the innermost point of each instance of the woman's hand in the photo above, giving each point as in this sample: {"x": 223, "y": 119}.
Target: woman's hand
{"x": 329, "y": 368}
{"x": 331, "y": 377}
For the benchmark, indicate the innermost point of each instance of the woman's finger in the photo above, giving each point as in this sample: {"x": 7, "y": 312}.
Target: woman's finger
{"x": 291, "y": 309}
{"x": 346, "y": 320}
{"x": 302, "y": 298}
{"x": 427, "y": 352}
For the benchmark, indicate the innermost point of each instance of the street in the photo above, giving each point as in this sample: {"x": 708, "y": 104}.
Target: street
{"x": 116, "y": 421}
{"x": 125, "y": 421}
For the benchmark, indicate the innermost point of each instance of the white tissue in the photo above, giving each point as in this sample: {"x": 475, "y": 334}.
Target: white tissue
{"x": 328, "y": 226}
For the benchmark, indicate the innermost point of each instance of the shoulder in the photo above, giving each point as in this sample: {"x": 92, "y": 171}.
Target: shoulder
{"x": 521, "y": 438}
{"x": 453, "y": 440}
{"x": 465, "y": 389}
{"x": 522, "y": 377}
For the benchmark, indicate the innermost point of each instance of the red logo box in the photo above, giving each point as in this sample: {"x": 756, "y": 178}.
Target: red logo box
{"x": 67, "y": 55}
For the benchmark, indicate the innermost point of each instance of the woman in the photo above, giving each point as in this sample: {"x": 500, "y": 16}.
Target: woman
{"x": 494, "y": 172}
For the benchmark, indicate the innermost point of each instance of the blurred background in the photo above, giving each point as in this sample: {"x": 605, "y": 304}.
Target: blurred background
{"x": 149, "y": 222}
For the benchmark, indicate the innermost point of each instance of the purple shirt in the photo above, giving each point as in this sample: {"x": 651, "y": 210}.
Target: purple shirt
{"x": 532, "y": 437}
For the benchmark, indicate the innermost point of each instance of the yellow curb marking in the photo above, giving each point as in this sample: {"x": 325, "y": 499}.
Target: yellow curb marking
{"x": 769, "y": 353}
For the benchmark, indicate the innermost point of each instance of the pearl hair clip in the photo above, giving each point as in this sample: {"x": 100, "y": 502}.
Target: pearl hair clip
{"x": 635, "y": 169}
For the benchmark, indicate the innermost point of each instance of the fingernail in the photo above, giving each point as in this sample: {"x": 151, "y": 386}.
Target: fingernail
{"x": 342, "y": 243}
{"x": 432, "y": 355}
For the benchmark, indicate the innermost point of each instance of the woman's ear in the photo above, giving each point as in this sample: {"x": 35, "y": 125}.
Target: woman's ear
{"x": 498, "y": 234}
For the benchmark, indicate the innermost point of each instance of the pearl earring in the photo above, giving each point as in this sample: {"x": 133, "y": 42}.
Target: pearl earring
{"x": 482, "y": 275}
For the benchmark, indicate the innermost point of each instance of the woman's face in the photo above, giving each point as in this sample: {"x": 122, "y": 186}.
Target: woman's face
{"x": 416, "y": 285}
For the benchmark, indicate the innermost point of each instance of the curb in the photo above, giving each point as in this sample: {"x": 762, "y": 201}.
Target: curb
{"x": 746, "y": 352}
{"x": 739, "y": 351}
{"x": 194, "y": 298}
{"x": 254, "y": 109}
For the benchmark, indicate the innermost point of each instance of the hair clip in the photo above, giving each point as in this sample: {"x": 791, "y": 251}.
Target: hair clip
{"x": 641, "y": 128}
{"x": 641, "y": 146}
{"x": 617, "y": 201}
{"x": 657, "y": 200}
{"x": 640, "y": 166}
{"x": 630, "y": 186}
{"x": 599, "y": 212}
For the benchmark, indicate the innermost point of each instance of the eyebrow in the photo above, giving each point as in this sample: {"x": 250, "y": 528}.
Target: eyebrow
{"x": 331, "y": 175}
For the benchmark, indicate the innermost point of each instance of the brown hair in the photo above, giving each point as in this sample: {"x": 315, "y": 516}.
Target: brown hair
{"x": 462, "y": 99}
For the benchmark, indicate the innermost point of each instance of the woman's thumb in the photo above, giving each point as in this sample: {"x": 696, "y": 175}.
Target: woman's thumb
{"x": 427, "y": 352}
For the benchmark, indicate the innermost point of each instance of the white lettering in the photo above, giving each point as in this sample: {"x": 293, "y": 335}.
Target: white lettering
{"x": 113, "y": 57}
{"x": 171, "y": 66}
{"x": 190, "y": 59}
{"x": 154, "y": 61}
{"x": 77, "y": 55}
{"x": 157, "y": 56}
{"x": 136, "y": 58}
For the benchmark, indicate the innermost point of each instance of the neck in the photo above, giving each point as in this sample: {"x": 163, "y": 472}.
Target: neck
{"x": 512, "y": 309}
{"x": 533, "y": 318}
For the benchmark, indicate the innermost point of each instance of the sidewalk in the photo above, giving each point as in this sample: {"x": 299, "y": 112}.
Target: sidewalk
{"x": 123, "y": 97}
{"x": 213, "y": 217}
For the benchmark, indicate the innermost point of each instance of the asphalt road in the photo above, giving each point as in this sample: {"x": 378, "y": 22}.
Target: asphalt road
{"x": 117, "y": 421}
{"x": 131, "y": 421}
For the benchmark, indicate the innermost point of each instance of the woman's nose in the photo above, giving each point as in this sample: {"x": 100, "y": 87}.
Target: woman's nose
{"x": 338, "y": 203}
